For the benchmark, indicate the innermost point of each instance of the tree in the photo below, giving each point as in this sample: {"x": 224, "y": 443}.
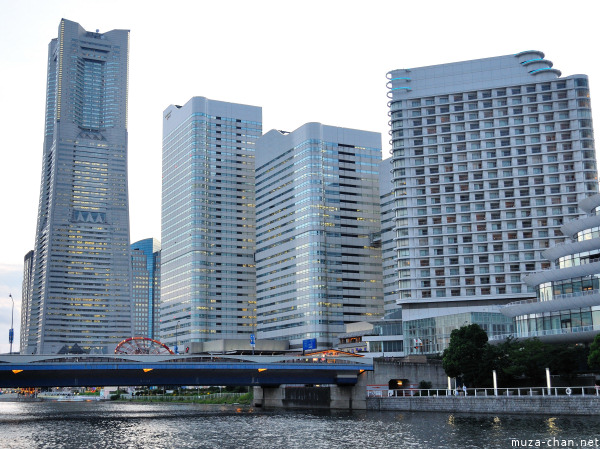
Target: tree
{"x": 528, "y": 358}
{"x": 594, "y": 357}
{"x": 568, "y": 360}
{"x": 469, "y": 356}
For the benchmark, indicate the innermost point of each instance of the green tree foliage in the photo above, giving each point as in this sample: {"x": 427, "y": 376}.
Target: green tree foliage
{"x": 472, "y": 358}
{"x": 528, "y": 358}
{"x": 569, "y": 360}
{"x": 468, "y": 355}
{"x": 594, "y": 357}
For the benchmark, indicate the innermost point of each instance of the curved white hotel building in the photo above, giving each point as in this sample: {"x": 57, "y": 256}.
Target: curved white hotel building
{"x": 567, "y": 303}
{"x": 490, "y": 159}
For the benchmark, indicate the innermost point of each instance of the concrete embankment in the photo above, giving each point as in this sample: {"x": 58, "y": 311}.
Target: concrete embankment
{"x": 561, "y": 405}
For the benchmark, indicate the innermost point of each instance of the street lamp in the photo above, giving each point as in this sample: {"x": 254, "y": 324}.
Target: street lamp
{"x": 11, "y": 332}
{"x": 176, "y": 338}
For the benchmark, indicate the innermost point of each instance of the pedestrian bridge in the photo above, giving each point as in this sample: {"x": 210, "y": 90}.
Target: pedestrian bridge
{"x": 28, "y": 371}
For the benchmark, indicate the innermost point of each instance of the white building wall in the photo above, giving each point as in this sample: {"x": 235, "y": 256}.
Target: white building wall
{"x": 490, "y": 158}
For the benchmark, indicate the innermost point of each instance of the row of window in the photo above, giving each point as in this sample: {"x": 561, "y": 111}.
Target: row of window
{"x": 580, "y": 83}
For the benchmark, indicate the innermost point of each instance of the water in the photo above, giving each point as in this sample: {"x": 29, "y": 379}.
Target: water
{"x": 108, "y": 425}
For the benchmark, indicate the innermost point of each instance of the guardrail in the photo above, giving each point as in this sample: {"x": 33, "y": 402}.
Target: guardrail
{"x": 546, "y": 332}
{"x": 554, "y": 297}
{"x": 91, "y": 359}
{"x": 583, "y": 391}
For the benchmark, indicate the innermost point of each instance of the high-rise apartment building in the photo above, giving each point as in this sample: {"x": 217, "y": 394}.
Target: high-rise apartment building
{"x": 81, "y": 275}
{"x": 318, "y": 221}
{"x": 490, "y": 158}
{"x": 208, "y": 227}
{"x": 145, "y": 275}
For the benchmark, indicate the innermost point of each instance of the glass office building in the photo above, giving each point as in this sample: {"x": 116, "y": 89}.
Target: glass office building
{"x": 81, "y": 270}
{"x": 490, "y": 158}
{"x": 145, "y": 274}
{"x": 208, "y": 227}
{"x": 318, "y": 250}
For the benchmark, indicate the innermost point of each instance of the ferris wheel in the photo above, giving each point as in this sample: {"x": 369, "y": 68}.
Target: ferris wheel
{"x": 142, "y": 345}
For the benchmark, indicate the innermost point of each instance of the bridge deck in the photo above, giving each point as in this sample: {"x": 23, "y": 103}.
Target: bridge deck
{"x": 146, "y": 370}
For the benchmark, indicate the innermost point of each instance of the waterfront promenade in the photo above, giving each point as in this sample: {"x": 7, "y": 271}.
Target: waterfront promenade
{"x": 560, "y": 401}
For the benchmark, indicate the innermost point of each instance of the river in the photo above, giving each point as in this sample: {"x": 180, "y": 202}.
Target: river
{"x": 108, "y": 425}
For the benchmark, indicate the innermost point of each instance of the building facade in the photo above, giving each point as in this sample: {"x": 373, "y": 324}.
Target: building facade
{"x": 388, "y": 242}
{"x": 208, "y": 227}
{"x": 318, "y": 249}
{"x": 81, "y": 272}
{"x": 567, "y": 303}
{"x": 490, "y": 158}
{"x": 145, "y": 289}
{"x": 26, "y": 295}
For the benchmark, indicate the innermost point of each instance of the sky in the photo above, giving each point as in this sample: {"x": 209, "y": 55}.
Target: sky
{"x": 301, "y": 61}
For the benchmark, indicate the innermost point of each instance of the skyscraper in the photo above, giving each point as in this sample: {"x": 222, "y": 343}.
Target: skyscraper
{"x": 208, "y": 227}
{"x": 318, "y": 223}
{"x": 145, "y": 274}
{"x": 81, "y": 275}
{"x": 490, "y": 157}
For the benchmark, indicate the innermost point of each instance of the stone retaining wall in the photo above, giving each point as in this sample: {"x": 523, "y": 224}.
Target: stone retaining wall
{"x": 561, "y": 405}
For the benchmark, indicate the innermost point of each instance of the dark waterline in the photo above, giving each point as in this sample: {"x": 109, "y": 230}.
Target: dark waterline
{"x": 107, "y": 425}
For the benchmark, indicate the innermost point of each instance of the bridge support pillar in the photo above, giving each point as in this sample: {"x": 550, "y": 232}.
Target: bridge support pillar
{"x": 348, "y": 397}
{"x": 268, "y": 397}
{"x": 343, "y": 397}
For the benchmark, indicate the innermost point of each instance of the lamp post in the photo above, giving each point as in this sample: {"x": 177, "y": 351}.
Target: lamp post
{"x": 11, "y": 332}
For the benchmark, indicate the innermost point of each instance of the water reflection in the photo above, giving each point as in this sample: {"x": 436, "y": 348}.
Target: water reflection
{"x": 553, "y": 429}
{"x": 132, "y": 426}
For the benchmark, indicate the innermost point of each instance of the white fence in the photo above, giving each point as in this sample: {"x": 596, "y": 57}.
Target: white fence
{"x": 489, "y": 392}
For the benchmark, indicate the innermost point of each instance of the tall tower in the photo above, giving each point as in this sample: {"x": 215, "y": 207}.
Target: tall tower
{"x": 207, "y": 273}
{"x": 490, "y": 158}
{"x": 81, "y": 275}
{"x": 318, "y": 256}
{"x": 145, "y": 273}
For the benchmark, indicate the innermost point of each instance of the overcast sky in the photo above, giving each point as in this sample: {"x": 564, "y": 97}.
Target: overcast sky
{"x": 301, "y": 61}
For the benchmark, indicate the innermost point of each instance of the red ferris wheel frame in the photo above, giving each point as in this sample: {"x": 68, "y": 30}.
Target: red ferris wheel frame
{"x": 142, "y": 345}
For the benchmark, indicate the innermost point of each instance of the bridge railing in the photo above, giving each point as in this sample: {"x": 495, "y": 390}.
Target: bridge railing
{"x": 191, "y": 358}
{"x": 577, "y": 391}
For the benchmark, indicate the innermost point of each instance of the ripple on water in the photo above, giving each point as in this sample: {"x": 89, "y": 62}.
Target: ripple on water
{"x": 107, "y": 425}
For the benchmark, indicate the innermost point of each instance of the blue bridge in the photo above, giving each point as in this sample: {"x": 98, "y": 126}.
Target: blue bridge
{"x": 28, "y": 371}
